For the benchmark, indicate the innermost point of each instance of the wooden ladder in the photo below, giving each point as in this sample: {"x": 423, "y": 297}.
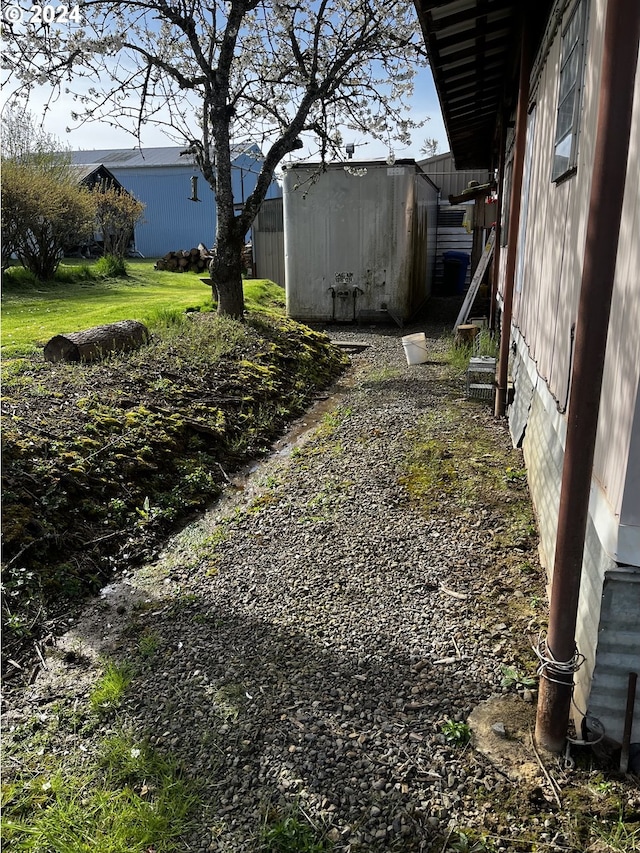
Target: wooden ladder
{"x": 483, "y": 263}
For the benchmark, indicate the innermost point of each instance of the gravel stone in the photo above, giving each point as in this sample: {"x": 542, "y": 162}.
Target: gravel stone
{"x": 313, "y": 656}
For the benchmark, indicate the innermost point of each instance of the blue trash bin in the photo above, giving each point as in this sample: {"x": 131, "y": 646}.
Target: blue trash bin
{"x": 455, "y": 271}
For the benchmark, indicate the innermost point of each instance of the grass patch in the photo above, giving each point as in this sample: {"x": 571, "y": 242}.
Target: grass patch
{"x": 84, "y": 295}
{"x": 126, "y": 798}
{"x": 149, "y": 643}
{"x": 454, "y": 466}
{"x": 110, "y": 266}
{"x": 32, "y": 314}
{"x": 460, "y": 464}
{"x": 107, "y": 695}
{"x": 459, "y": 354}
{"x": 615, "y": 837}
{"x": 292, "y": 832}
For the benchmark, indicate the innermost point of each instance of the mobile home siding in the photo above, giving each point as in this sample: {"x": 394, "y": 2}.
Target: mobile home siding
{"x": 545, "y": 308}
{"x": 545, "y": 311}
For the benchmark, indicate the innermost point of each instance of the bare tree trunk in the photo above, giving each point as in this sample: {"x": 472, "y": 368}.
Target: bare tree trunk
{"x": 225, "y": 270}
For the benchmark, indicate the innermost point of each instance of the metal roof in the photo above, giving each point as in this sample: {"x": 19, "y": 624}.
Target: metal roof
{"x": 84, "y": 172}
{"x": 472, "y": 47}
{"x": 131, "y": 158}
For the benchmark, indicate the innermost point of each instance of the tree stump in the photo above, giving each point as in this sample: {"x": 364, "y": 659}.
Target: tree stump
{"x": 94, "y": 344}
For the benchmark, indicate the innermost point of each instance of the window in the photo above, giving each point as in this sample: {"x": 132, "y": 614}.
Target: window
{"x": 565, "y": 153}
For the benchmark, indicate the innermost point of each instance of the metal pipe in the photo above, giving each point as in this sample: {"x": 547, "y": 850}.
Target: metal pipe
{"x": 622, "y": 34}
{"x": 514, "y": 216}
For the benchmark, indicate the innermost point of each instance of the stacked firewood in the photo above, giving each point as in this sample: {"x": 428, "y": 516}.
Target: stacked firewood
{"x": 185, "y": 260}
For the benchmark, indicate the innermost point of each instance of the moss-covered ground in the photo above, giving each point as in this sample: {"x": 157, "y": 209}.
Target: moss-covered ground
{"x": 102, "y": 460}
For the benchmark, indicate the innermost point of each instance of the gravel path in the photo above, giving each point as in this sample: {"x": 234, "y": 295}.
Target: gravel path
{"x": 307, "y": 653}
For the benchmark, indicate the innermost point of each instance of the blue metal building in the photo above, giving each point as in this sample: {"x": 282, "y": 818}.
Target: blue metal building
{"x": 163, "y": 179}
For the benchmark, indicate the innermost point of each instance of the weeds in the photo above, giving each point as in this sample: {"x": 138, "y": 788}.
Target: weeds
{"x": 455, "y": 733}
{"x": 125, "y": 799}
{"x": 512, "y": 677}
{"x": 459, "y": 354}
{"x": 292, "y": 833}
{"x": 466, "y": 842}
{"x": 110, "y": 266}
{"x": 107, "y": 695}
{"x": 229, "y": 700}
{"x": 149, "y": 643}
{"x": 621, "y": 837}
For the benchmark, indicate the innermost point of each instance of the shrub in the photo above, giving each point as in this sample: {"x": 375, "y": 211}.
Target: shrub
{"x": 43, "y": 212}
{"x": 110, "y": 266}
{"x": 117, "y": 213}
{"x": 43, "y": 208}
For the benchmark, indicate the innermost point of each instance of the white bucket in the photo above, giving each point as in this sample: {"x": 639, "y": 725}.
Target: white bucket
{"x": 415, "y": 348}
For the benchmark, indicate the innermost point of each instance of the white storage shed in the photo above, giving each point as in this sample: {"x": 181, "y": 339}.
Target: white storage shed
{"x": 359, "y": 240}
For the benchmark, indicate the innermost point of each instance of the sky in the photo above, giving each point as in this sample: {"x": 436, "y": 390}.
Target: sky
{"x": 99, "y": 136}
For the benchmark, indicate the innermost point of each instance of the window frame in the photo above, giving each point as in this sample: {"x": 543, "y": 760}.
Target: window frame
{"x": 576, "y": 51}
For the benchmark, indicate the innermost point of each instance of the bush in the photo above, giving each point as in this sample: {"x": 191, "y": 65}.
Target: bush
{"x": 110, "y": 266}
{"x": 117, "y": 213}
{"x": 43, "y": 212}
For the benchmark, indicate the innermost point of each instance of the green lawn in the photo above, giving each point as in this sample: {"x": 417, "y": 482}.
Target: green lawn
{"x": 34, "y": 313}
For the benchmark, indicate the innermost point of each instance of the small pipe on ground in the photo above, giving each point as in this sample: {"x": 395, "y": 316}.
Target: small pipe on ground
{"x": 628, "y": 721}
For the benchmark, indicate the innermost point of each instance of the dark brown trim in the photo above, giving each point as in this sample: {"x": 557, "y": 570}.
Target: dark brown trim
{"x": 514, "y": 216}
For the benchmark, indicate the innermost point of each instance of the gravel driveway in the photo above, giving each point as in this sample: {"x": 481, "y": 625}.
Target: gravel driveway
{"x": 316, "y": 630}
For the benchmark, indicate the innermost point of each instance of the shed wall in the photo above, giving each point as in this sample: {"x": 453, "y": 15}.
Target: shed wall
{"x": 171, "y": 221}
{"x": 359, "y": 241}
{"x": 268, "y": 241}
{"x": 161, "y": 179}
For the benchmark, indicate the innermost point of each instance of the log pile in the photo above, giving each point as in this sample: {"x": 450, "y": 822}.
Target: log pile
{"x": 185, "y": 260}
{"x": 96, "y": 343}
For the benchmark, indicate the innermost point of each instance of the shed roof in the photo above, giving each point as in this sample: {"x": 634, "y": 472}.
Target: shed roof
{"x": 131, "y": 158}
{"x": 472, "y": 45}
{"x": 90, "y": 173}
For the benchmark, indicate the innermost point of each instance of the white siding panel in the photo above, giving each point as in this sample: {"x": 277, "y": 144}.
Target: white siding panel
{"x": 617, "y": 471}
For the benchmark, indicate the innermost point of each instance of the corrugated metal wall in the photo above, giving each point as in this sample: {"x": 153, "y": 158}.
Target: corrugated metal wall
{"x": 268, "y": 242}
{"x": 442, "y": 171}
{"x": 618, "y": 653}
{"x": 171, "y": 221}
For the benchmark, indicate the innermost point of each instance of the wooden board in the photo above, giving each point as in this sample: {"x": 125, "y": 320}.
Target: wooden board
{"x": 476, "y": 280}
